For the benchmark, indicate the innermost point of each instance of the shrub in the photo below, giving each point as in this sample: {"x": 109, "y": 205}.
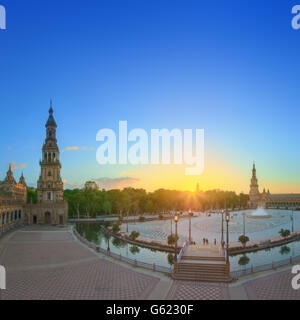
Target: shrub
{"x": 107, "y": 224}
{"x": 115, "y": 228}
{"x": 243, "y": 240}
{"x": 161, "y": 216}
{"x": 172, "y": 239}
{"x": 142, "y": 219}
{"x": 134, "y": 235}
{"x": 284, "y": 233}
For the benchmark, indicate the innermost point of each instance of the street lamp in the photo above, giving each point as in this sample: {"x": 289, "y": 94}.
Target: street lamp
{"x": 176, "y": 237}
{"x": 171, "y": 223}
{"x": 227, "y": 235}
{"x": 244, "y": 223}
{"x": 190, "y": 226}
{"x": 292, "y": 218}
{"x": 222, "y": 229}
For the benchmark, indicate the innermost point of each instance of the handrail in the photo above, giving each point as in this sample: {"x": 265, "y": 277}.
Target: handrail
{"x": 181, "y": 251}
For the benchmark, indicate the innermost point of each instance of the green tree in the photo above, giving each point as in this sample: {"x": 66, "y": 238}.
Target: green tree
{"x": 284, "y": 233}
{"x": 243, "y": 240}
{"x": 134, "y": 235}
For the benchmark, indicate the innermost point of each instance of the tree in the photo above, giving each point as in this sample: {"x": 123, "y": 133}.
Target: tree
{"x": 172, "y": 239}
{"x": 31, "y": 195}
{"x": 134, "y": 235}
{"x": 284, "y": 233}
{"x": 115, "y": 228}
{"x": 243, "y": 240}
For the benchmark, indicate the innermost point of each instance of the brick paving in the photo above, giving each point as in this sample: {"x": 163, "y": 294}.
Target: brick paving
{"x": 276, "y": 286}
{"x": 43, "y": 265}
{"x": 57, "y": 267}
{"x": 189, "y": 290}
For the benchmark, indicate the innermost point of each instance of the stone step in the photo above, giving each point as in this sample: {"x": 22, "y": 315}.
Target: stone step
{"x": 216, "y": 258}
{"x": 202, "y": 278}
{"x": 208, "y": 265}
{"x": 201, "y": 271}
{"x": 204, "y": 261}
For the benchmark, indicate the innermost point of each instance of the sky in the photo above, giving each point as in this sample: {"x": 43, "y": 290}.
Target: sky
{"x": 229, "y": 67}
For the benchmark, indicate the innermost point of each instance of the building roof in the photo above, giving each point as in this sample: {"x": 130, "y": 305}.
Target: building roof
{"x": 51, "y": 122}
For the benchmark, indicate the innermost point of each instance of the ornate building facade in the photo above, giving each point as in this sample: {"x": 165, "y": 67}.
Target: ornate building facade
{"x": 12, "y": 201}
{"x": 50, "y": 207}
{"x": 268, "y": 200}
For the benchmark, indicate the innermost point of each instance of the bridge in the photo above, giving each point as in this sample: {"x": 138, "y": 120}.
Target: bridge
{"x": 202, "y": 263}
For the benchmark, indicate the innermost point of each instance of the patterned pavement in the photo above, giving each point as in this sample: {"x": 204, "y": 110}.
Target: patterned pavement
{"x": 273, "y": 287}
{"x": 52, "y": 265}
{"x": 189, "y": 290}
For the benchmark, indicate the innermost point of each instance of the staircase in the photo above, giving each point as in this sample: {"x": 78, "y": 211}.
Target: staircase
{"x": 202, "y": 265}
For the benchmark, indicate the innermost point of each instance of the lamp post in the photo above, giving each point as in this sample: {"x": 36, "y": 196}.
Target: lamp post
{"x": 292, "y": 218}
{"x": 190, "y": 226}
{"x": 176, "y": 237}
{"x": 222, "y": 229}
{"x": 227, "y": 235}
{"x": 244, "y": 223}
{"x": 171, "y": 224}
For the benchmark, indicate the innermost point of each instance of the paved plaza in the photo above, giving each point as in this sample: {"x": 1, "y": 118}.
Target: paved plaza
{"x": 45, "y": 263}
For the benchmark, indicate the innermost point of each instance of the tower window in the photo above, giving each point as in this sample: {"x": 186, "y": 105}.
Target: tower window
{"x": 49, "y": 174}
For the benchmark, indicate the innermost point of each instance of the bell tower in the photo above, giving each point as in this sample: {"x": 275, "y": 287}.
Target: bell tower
{"x": 254, "y": 195}
{"x": 50, "y": 185}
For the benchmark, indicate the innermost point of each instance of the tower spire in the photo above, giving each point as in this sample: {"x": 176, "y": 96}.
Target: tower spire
{"x": 51, "y": 108}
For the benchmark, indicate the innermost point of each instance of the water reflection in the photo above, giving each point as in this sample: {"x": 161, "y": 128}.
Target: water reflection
{"x": 285, "y": 250}
{"x": 94, "y": 232}
{"x": 244, "y": 260}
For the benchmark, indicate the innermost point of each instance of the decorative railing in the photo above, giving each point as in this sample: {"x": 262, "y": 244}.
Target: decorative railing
{"x": 181, "y": 252}
{"x": 119, "y": 257}
{"x": 265, "y": 267}
{"x": 234, "y": 274}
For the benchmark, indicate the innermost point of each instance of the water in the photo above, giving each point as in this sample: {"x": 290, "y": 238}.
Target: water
{"x": 96, "y": 234}
{"x": 210, "y": 227}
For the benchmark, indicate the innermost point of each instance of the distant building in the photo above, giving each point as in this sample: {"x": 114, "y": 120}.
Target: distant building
{"x": 91, "y": 185}
{"x": 268, "y": 200}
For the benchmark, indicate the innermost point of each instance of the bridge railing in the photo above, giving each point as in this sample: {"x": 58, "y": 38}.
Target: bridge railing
{"x": 265, "y": 267}
{"x": 134, "y": 262}
{"x": 181, "y": 251}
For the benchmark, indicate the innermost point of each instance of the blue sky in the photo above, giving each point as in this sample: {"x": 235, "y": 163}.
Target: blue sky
{"x": 231, "y": 67}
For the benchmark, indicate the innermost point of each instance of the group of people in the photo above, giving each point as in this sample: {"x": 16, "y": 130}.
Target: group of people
{"x": 206, "y": 242}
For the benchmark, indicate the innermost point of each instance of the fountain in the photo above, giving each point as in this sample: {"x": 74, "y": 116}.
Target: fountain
{"x": 259, "y": 213}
